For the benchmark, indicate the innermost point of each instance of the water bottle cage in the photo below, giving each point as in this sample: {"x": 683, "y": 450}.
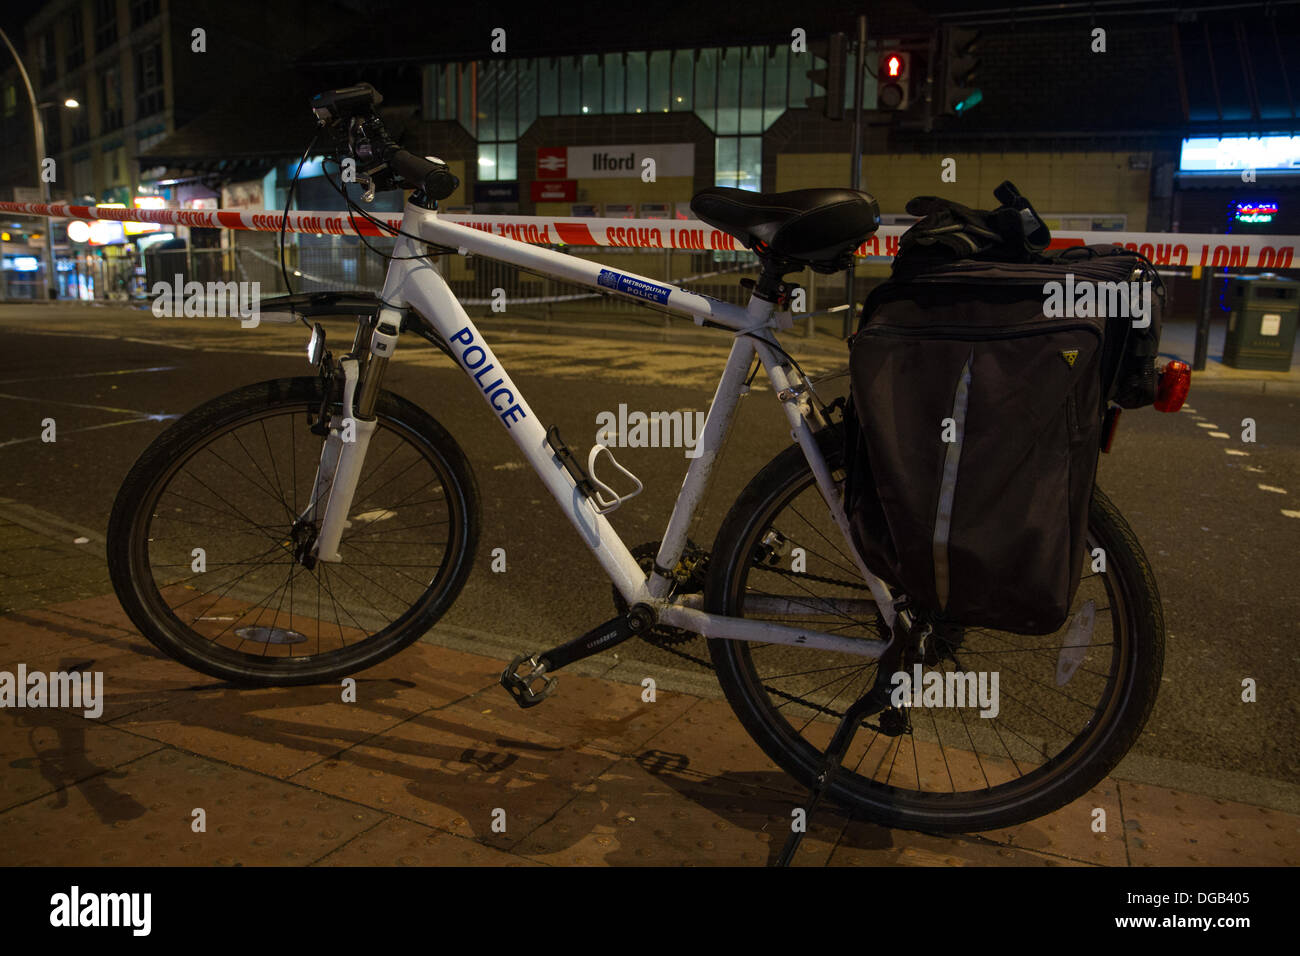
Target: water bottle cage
{"x": 605, "y": 498}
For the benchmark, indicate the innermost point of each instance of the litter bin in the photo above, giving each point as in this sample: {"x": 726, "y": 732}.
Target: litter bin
{"x": 1262, "y": 324}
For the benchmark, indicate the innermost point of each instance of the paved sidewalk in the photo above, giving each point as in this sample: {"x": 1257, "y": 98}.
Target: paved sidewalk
{"x": 1178, "y": 340}
{"x": 414, "y": 771}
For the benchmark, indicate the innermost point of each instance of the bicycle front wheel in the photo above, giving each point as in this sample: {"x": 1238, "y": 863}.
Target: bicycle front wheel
{"x": 1068, "y": 705}
{"x": 205, "y": 538}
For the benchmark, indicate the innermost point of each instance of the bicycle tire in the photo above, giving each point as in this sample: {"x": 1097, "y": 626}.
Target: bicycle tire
{"x": 1051, "y": 786}
{"x": 185, "y": 440}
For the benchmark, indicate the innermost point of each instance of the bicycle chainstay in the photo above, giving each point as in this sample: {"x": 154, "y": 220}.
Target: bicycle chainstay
{"x": 668, "y": 645}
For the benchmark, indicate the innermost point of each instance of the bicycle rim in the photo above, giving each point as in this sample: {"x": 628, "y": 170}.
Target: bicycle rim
{"x": 249, "y": 604}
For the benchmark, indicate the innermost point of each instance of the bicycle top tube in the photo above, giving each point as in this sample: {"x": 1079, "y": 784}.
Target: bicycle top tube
{"x": 701, "y": 308}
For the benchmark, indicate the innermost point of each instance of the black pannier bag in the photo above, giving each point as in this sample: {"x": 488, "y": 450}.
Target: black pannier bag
{"x": 973, "y": 430}
{"x": 1129, "y": 370}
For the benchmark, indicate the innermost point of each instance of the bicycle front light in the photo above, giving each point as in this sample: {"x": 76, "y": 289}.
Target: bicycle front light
{"x": 316, "y": 344}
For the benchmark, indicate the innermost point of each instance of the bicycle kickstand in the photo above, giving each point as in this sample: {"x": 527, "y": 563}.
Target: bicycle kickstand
{"x": 831, "y": 763}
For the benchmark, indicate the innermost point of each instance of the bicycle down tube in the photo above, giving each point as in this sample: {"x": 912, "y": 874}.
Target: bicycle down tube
{"x": 413, "y": 282}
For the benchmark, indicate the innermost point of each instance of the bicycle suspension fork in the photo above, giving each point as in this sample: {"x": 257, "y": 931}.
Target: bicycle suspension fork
{"x": 344, "y": 450}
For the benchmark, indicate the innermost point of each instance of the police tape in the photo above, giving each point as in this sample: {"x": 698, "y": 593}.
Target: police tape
{"x": 1216, "y": 251}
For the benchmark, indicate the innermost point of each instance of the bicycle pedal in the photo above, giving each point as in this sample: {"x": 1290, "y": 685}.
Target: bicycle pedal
{"x": 521, "y": 686}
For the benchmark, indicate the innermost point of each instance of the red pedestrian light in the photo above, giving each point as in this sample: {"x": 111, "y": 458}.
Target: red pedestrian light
{"x": 894, "y": 78}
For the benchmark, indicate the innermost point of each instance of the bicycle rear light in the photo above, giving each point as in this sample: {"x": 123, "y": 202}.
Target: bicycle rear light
{"x": 1175, "y": 381}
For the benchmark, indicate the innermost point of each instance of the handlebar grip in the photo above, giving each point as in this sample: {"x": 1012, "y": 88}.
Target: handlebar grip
{"x": 435, "y": 179}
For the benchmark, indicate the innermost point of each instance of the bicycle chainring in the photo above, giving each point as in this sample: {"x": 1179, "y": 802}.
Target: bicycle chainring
{"x": 688, "y": 578}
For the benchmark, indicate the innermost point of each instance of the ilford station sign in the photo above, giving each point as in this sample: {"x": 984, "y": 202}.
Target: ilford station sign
{"x": 614, "y": 162}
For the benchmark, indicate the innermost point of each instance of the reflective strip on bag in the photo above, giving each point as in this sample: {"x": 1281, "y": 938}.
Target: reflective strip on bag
{"x": 948, "y": 487}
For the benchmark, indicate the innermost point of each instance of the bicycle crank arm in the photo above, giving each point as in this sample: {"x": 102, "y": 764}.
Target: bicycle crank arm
{"x": 638, "y": 620}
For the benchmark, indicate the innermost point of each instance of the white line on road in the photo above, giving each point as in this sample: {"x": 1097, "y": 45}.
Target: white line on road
{"x": 1291, "y": 514}
{"x": 99, "y": 408}
{"x": 88, "y": 428}
{"x": 1219, "y": 435}
{"x": 43, "y": 522}
{"x": 1276, "y": 491}
{"x": 121, "y": 371}
{"x": 1205, "y": 425}
{"x": 1234, "y": 451}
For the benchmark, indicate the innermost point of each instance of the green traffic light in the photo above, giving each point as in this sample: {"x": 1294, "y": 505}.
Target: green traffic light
{"x": 973, "y": 100}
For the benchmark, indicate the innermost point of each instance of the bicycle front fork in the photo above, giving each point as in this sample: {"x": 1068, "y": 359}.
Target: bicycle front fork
{"x": 344, "y": 450}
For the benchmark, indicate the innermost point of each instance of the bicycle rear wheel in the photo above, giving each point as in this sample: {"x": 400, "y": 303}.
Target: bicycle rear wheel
{"x": 1070, "y": 704}
{"x": 203, "y": 534}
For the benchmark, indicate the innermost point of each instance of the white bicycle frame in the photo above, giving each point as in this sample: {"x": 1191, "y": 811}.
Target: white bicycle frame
{"x": 413, "y": 282}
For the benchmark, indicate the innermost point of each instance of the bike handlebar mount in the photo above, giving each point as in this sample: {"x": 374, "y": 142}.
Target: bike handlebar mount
{"x": 350, "y": 116}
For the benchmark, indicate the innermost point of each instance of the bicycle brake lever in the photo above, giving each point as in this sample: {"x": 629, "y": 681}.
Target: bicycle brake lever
{"x": 369, "y": 195}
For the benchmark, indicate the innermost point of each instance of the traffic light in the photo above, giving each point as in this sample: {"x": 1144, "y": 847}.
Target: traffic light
{"x": 830, "y": 78}
{"x": 961, "y": 70}
{"x": 894, "y": 81}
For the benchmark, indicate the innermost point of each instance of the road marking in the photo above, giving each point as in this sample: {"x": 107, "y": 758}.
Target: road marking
{"x": 1234, "y": 451}
{"x": 1254, "y": 469}
{"x": 43, "y": 522}
{"x": 1188, "y": 408}
{"x": 1276, "y": 491}
{"x": 1205, "y": 425}
{"x": 146, "y": 416}
{"x": 1291, "y": 514}
{"x": 88, "y": 428}
{"x": 121, "y": 371}
{"x": 1219, "y": 435}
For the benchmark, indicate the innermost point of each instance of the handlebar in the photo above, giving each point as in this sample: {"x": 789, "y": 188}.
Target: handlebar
{"x": 350, "y": 116}
{"x": 437, "y": 181}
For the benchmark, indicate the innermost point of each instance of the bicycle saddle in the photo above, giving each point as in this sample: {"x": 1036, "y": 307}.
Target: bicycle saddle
{"x": 815, "y": 227}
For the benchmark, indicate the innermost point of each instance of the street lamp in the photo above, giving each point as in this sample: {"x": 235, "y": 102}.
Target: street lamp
{"x": 51, "y": 280}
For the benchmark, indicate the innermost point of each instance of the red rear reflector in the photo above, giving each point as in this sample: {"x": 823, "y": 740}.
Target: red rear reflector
{"x": 1109, "y": 425}
{"x": 1175, "y": 381}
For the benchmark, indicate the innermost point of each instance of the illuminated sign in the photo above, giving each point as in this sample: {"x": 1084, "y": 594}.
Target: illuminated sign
{"x": 1263, "y": 154}
{"x": 106, "y": 232}
{"x": 99, "y": 232}
{"x": 1254, "y": 211}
